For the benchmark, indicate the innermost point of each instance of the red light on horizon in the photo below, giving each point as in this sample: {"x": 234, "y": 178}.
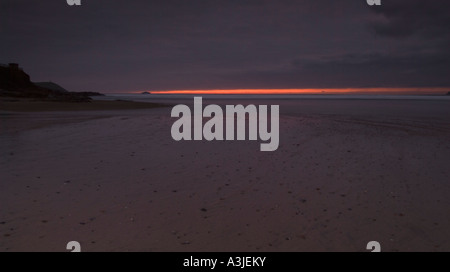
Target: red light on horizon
{"x": 421, "y": 90}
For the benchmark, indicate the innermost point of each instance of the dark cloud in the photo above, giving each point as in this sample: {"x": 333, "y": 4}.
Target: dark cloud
{"x": 109, "y": 45}
{"x": 357, "y": 71}
{"x": 404, "y": 18}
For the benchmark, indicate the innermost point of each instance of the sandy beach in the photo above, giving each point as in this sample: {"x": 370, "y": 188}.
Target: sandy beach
{"x": 345, "y": 173}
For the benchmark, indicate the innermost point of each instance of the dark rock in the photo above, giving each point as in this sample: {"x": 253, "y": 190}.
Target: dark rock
{"x": 51, "y": 86}
{"x": 14, "y": 82}
{"x": 90, "y": 93}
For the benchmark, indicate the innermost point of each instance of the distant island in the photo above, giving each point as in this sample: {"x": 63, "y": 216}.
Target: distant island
{"x": 146, "y": 93}
{"x": 15, "y": 83}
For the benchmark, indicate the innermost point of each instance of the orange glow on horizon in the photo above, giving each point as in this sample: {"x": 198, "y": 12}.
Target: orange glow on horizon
{"x": 432, "y": 90}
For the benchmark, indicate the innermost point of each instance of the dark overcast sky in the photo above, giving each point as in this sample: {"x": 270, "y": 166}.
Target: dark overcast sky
{"x": 108, "y": 45}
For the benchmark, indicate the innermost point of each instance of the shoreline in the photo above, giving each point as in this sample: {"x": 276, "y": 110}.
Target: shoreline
{"x": 30, "y": 105}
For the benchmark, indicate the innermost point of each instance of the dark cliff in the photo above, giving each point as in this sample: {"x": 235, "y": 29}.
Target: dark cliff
{"x": 14, "y": 82}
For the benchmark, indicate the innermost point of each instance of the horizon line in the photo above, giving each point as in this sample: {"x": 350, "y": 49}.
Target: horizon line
{"x": 378, "y": 90}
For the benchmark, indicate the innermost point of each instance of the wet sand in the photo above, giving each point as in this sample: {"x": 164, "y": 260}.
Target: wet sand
{"x": 29, "y": 105}
{"x": 345, "y": 173}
